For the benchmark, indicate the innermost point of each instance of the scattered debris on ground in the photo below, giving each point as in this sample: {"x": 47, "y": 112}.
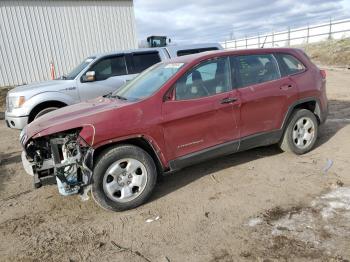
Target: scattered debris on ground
{"x": 149, "y": 220}
{"x": 328, "y": 166}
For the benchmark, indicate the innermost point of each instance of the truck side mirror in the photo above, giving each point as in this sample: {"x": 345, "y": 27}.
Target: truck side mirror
{"x": 90, "y": 76}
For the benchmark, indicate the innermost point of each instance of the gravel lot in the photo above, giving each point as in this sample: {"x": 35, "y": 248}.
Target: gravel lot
{"x": 255, "y": 205}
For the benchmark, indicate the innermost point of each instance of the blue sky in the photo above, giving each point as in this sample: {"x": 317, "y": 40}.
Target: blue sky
{"x": 216, "y": 20}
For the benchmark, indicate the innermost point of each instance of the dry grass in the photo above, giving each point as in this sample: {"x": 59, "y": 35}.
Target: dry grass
{"x": 3, "y": 92}
{"x": 330, "y": 52}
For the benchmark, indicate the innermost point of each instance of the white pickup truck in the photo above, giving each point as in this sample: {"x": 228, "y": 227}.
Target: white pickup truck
{"x": 97, "y": 75}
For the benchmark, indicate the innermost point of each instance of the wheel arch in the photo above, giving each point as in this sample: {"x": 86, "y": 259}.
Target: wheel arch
{"x": 42, "y": 105}
{"x": 311, "y": 103}
{"x": 139, "y": 141}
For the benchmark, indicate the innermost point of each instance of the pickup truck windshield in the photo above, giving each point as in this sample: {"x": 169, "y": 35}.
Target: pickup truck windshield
{"x": 73, "y": 74}
{"x": 148, "y": 82}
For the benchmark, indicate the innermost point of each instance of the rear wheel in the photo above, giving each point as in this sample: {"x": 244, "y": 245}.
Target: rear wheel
{"x": 301, "y": 133}
{"x": 124, "y": 178}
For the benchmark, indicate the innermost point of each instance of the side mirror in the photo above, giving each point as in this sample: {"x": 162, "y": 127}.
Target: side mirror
{"x": 89, "y": 76}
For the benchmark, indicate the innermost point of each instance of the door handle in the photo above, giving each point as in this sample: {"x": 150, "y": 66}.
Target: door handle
{"x": 286, "y": 87}
{"x": 228, "y": 100}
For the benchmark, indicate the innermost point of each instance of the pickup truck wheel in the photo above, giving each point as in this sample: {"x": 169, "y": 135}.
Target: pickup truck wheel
{"x": 124, "y": 178}
{"x": 301, "y": 133}
{"x": 45, "y": 111}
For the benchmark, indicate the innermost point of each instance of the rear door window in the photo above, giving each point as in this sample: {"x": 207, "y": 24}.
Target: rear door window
{"x": 195, "y": 51}
{"x": 255, "y": 69}
{"x": 142, "y": 60}
{"x": 108, "y": 67}
{"x": 290, "y": 64}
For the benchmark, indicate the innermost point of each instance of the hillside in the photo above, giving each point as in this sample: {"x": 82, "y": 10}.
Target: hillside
{"x": 330, "y": 53}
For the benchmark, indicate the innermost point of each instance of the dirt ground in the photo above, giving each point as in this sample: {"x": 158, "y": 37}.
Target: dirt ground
{"x": 259, "y": 205}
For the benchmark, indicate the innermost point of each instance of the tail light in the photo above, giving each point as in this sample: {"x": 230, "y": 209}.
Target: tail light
{"x": 323, "y": 73}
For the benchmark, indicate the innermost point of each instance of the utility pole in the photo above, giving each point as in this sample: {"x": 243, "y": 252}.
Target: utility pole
{"x": 330, "y": 29}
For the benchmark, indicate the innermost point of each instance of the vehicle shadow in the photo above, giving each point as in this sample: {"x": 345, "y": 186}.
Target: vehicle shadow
{"x": 6, "y": 159}
{"x": 338, "y": 118}
{"x": 338, "y": 110}
{"x": 174, "y": 181}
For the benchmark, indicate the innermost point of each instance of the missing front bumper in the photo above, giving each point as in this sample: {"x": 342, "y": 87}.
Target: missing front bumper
{"x": 26, "y": 164}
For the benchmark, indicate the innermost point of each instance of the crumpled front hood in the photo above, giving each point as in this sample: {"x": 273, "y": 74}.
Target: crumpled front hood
{"x": 74, "y": 116}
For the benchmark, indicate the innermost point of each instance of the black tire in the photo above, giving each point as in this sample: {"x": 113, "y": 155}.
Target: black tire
{"x": 44, "y": 108}
{"x": 288, "y": 143}
{"x": 45, "y": 111}
{"x": 110, "y": 157}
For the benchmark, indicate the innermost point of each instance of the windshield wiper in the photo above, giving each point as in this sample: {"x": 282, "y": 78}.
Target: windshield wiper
{"x": 120, "y": 97}
{"x": 109, "y": 95}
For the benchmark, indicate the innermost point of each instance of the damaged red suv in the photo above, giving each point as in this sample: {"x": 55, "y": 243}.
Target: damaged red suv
{"x": 175, "y": 114}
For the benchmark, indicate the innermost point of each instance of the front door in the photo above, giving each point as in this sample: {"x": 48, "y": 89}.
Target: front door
{"x": 204, "y": 110}
{"x": 110, "y": 74}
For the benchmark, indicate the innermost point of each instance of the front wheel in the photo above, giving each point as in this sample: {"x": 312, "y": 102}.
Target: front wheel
{"x": 301, "y": 133}
{"x": 124, "y": 178}
{"x": 45, "y": 111}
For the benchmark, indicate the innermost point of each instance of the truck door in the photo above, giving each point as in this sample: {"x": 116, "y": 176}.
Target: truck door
{"x": 140, "y": 61}
{"x": 110, "y": 74}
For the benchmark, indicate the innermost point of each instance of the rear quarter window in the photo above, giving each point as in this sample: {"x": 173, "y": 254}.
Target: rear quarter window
{"x": 290, "y": 65}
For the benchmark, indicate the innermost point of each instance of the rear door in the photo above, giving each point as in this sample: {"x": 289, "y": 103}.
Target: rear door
{"x": 110, "y": 73}
{"x": 265, "y": 94}
{"x": 204, "y": 111}
{"x": 195, "y": 51}
{"x": 140, "y": 61}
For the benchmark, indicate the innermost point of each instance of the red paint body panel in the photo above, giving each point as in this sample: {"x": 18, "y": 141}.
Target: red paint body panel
{"x": 193, "y": 125}
{"x": 178, "y": 128}
{"x": 265, "y": 105}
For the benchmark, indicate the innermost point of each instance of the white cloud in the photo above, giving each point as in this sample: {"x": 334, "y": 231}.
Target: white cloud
{"x": 215, "y": 20}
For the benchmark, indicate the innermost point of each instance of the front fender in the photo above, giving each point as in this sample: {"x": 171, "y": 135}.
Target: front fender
{"x": 152, "y": 142}
{"x": 45, "y": 97}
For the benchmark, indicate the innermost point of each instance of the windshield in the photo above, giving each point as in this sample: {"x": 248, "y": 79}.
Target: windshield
{"x": 148, "y": 82}
{"x": 73, "y": 74}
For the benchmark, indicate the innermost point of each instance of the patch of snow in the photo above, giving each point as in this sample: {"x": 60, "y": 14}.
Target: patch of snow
{"x": 336, "y": 200}
{"x": 325, "y": 223}
{"x": 342, "y": 193}
{"x": 254, "y": 221}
